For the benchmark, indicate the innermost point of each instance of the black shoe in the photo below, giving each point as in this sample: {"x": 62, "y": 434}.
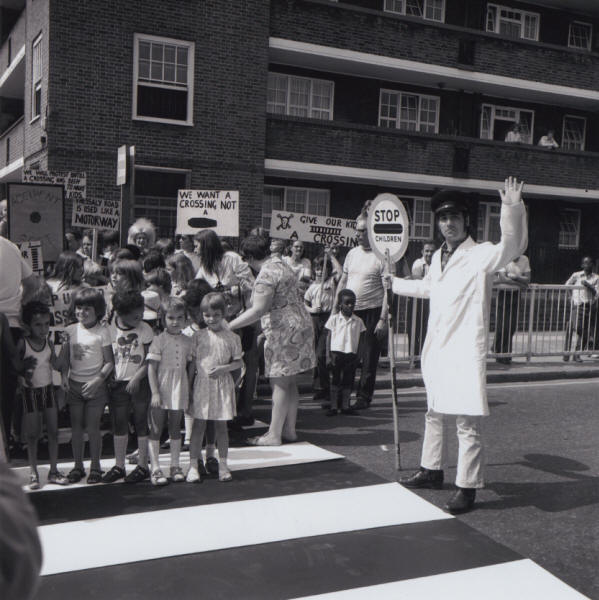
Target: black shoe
{"x": 360, "y": 404}
{"x": 424, "y": 478}
{"x": 113, "y": 475}
{"x": 461, "y": 502}
{"x": 243, "y": 421}
{"x": 138, "y": 474}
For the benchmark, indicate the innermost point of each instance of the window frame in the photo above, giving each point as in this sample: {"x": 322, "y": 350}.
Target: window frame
{"x": 36, "y": 84}
{"x": 286, "y": 188}
{"x": 310, "y": 108}
{"x": 139, "y": 37}
{"x": 590, "y": 40}
{"x": 399, "y": 94}
{"x": 494, "y": 108}
{"x": 426, "y": 209}
{"x": 584, "y": 133}
{"x": 403, "y": 11}
{"x": 523, "y": 13}
{"x": 566, "y": 246}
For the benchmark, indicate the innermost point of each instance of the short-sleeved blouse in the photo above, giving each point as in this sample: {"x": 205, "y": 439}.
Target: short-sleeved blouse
{"x": 172, "y": 352}
{"x": 289, "y": 347}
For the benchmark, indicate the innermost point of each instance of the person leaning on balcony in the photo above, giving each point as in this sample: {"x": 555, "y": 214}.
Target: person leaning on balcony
{"x": 508, "y": 282}
{"x": 459, "y": 286}
{"x": 548, "y": 141}
{"x": 514, "y": 135}
{"x": 581, "y": 308}
{"x": 4, "y": 218}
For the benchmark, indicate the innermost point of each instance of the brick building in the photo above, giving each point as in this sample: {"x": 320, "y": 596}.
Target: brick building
{"x": 315, "y": 106}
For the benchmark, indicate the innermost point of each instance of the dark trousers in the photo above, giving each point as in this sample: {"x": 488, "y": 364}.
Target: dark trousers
{"x": 369, "y": 352}
{"x": 506, "y": 321}
{"x": 12, "y": 410}
{"x": 343, "y": 370}
{"x": 249, "y": 345}
{"x": 320, "y": 347}
{"x": 418, "y": 314}
{"x": 580, "y": 321}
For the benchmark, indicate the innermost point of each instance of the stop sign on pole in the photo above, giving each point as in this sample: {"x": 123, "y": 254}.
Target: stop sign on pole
{"x": 388, "y": 227}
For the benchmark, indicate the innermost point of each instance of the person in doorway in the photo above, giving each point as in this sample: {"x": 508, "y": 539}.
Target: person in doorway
{"x": 548, "y": 141}
{"x": 514, "y": 135}
{"x": 453, "y": 359}
{"x": 420, "y": 306}
{"x": 582, "y": 304}
{"x": 362, "y": 272}
{"x": 509, "y": 281}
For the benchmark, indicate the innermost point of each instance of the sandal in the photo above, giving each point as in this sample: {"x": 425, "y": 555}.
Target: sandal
{"x": 138, "y": 474}
{"x": 177, "y": 474}
{"x": 94, "y": 476}
{"x": 212, "y": 465}
{"x": 157, "y": 478}
{"x": 34, "y": 481}
{"x": 75, "y": 475}
{"x": 57, "y": 478}
{"x": 224, "y": 474}
{"x": 113, "y": 475}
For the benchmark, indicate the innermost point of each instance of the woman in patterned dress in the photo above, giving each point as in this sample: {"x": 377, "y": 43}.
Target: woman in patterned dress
{"x": 286, "y": 324}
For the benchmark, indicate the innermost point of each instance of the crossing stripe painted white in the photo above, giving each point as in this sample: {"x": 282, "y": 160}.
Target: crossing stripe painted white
{"x": 200, "y": 528}
{"x": 240, "y": 459}
{"x": 517, "y": 579}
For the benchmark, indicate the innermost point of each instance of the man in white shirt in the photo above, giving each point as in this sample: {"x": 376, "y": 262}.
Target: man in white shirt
{"x": 362, "y": 272}
{"x": 419, "y": 307}
{"x": 548, "y": 141}
{"x": 583, "y": 301}
{"x": 509, "y": 281}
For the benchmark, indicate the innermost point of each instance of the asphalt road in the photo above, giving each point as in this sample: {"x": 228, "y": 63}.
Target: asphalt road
{"x": 542, "y": 448}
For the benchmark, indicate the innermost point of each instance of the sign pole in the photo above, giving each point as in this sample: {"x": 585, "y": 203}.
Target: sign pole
{"x": 388, "y": 228}
{"x": 391, "y": 353}
{"x": 94, "y": 244}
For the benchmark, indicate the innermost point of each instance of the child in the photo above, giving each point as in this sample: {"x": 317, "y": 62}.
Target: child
{"x": 131, "y": 339}
{"x": 168, "y": 357}
{"x": 181, "y": 270}
{"x": 344, "y": 330}
{"x": 38, "y": 391}
{"x": 319, "y": 299}
{"x": 217, "y": 352}
{"x": 159, "y": 281}
{"x": 125, "y": 274}
{"x": 87, "y": 361}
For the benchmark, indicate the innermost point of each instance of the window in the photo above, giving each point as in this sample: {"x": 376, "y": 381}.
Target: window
{"x": 422, "y": 222}
{"x": 156, "y": 197}
{"x": 312, "y": 201}
{"x": 487, "y": 228}
{"x": 163, "y": 80}
{"x": 36, "y": 78}
{"x": 580, "y": 35}
{"x": 513, "y": 23}
{"x": 411, "y": 112}
{"x": 569, "y": 229}
{"x": 573, "y": 133}
{"x": 432, "y": 10}
{"x": 300, "y": 96}
{"x": 496, "y": 121}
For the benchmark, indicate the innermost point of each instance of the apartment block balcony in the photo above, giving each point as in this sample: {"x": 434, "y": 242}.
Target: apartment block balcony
{"x": 12, "y": 148}
{"x": 332, "y": 150}
{"x": 12, "y": 61}
{"x": 336, "y": 37}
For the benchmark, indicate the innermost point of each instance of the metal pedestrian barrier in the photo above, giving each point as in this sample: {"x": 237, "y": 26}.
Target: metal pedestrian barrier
{"x": 538, "y": 320}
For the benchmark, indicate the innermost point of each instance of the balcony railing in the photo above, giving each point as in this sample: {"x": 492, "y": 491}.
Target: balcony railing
{"x": 371, "y": 147}
{"x": 381, "y": 33}
{"x": 540, "y": 320}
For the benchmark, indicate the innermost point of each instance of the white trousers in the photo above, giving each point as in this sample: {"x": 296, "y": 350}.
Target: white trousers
{"x": 470, "y": 448}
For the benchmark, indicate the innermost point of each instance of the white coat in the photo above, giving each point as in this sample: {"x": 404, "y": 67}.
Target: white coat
{"x": 454, "y": 353}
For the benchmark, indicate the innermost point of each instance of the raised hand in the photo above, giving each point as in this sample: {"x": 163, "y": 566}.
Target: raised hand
{"x": 512, "y": 191}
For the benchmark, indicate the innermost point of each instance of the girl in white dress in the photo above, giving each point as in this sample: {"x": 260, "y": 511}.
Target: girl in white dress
{"x": 168, "y": 357}
{"x": 216, "y": 352}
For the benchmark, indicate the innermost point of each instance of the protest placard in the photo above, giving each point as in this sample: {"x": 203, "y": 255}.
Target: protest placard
{"x": 97, "y": 214}
{"x": 319, "y": 229}
{"x": 208, "y": 209}
{"x": 74, "y": 182}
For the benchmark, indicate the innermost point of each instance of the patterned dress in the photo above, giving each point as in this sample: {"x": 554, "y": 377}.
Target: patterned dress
{"x": 214, "y": 398}
{"x": 289, "y": 347}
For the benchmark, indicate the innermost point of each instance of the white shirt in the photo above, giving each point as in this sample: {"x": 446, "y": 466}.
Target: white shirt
{"x": 520, "y": 267}
{"x": 420, "y": 268}
{"x": 321, "y": 296}
{"x": 301, "y": 269}
{"x": 13, "y": 269}
{"x": 86, "y": 355}
{"x": 584, "y": 296}
{"x": 345, "y": 333}
{"x": 364, "y": 272}
{"x": 128, "y": 346}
